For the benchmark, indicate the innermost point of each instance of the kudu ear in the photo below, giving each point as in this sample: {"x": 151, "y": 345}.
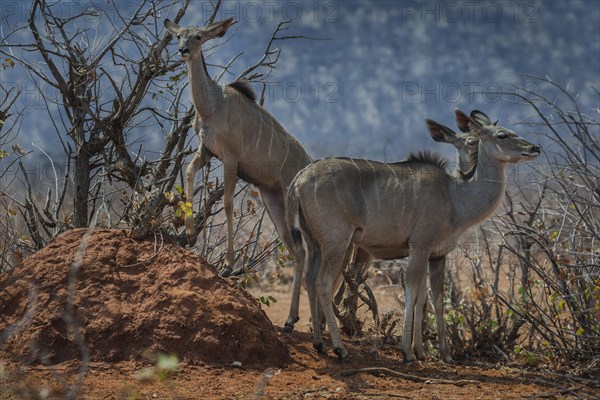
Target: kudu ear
{"x": 172, "y": 26}
{"x": 481, "y": 118}
{"x": 462, "y": 120}
{"x": 439, "y": 132}
{"x": 218, "y": 29}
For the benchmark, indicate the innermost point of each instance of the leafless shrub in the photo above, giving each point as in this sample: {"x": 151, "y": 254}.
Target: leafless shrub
{"x": 119, "y": 81}
{"x": 535, "y": 286}
{"x": 354, "y": 294}
{"x": 104, "y": 85}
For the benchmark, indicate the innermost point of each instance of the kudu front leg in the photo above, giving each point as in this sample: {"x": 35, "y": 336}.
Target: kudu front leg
{"x": 201, "y": 158}
{"x": 415, "y": 273}
{"x": 230, "y": 176}
{"x": 420, "y": 309}
{"x": 437, "y": 271}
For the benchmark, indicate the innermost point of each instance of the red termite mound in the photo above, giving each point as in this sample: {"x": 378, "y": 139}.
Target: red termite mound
{"x": 129, "y": 299}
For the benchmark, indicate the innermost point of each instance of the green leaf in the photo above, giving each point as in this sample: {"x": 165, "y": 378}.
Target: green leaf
{"x": 267, "y": 300}
{"x": 281, "y": 261}
{"x": 179, "y": 189}
{"x": 580, "y": 331}
{"x": 144, "y": 375}
{"x": 167, "y": 362}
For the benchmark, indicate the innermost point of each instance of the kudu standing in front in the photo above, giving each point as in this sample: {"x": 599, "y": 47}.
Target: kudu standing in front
{"x": 466, "y": 160}
{"x": 408, "y": 209}
{"x": 232, "y": 127}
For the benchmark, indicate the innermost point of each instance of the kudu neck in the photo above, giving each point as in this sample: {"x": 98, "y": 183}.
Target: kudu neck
{"x": 477, "y": 198}
{"x": 205, "y": 92}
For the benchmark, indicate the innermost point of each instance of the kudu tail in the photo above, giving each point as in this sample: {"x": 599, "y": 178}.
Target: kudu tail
{"x": 292, "y": 214}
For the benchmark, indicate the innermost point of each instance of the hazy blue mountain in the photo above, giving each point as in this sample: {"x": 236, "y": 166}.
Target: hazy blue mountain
{"x": 386, "y": 65}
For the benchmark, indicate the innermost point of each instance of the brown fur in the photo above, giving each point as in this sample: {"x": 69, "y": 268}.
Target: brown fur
{"x": 428, "y": 157}
{"x": 243, "y": 87}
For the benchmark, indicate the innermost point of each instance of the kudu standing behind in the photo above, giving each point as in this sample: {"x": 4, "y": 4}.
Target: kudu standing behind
{"x": 409, "y": 209}
{"x": 466, "y": 160}
{"x": 232, "y": 127}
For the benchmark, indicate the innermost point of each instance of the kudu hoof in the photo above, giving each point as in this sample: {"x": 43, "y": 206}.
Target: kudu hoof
{"x": 225, "y": 272}
{"x": 190, "y": 234}
{"x": 341, "y": 353}
{"x": 288, "y": 328}
{"x": 191, "y": 240}
{"x": 320, "y": 348}
{"x": 448, "y": 359}
{"x": 409, "y": 359}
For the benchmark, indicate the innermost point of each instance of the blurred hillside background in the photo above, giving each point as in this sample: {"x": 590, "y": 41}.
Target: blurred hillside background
{"x": 379, "y": 68}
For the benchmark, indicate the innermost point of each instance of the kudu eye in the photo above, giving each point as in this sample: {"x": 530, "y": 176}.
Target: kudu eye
{"x": 502, "y": 135}
{"x": 178, "y": 36}
{"x": 199, "y": 37}
{"x": 472, "y": 141}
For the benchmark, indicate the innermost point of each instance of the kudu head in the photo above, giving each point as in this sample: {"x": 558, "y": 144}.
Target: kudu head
{"x": 500, "y": 144}
{"x": 191, "y": 37}
{"x": 466, "y": 145}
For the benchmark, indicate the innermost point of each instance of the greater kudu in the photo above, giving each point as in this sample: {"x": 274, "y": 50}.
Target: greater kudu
{"x": 232, "y": 127}
{"x": 466, "y": 160}
{"x": 409, "y": 209}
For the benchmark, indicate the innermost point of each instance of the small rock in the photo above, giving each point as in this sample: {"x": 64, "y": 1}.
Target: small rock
{"x": 236, "y": 364}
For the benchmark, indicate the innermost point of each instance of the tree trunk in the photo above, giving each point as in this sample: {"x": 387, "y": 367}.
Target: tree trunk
{"x": 82, "y": 187}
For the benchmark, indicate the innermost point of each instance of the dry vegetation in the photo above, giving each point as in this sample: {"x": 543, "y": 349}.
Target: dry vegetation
{"x": 524, "y": 288}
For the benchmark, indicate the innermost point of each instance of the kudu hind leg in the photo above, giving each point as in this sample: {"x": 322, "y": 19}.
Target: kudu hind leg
{"x": 274, "y": 202}
{"x": 323, "y": 280}
{"x": 313, "y": 256}
{"x": 293, "y": 316}
{"x": 230, "y": 177}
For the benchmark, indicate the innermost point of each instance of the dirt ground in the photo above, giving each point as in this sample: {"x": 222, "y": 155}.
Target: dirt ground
{"x": 307, "y": 376}
{"x": 134, "y": 300}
